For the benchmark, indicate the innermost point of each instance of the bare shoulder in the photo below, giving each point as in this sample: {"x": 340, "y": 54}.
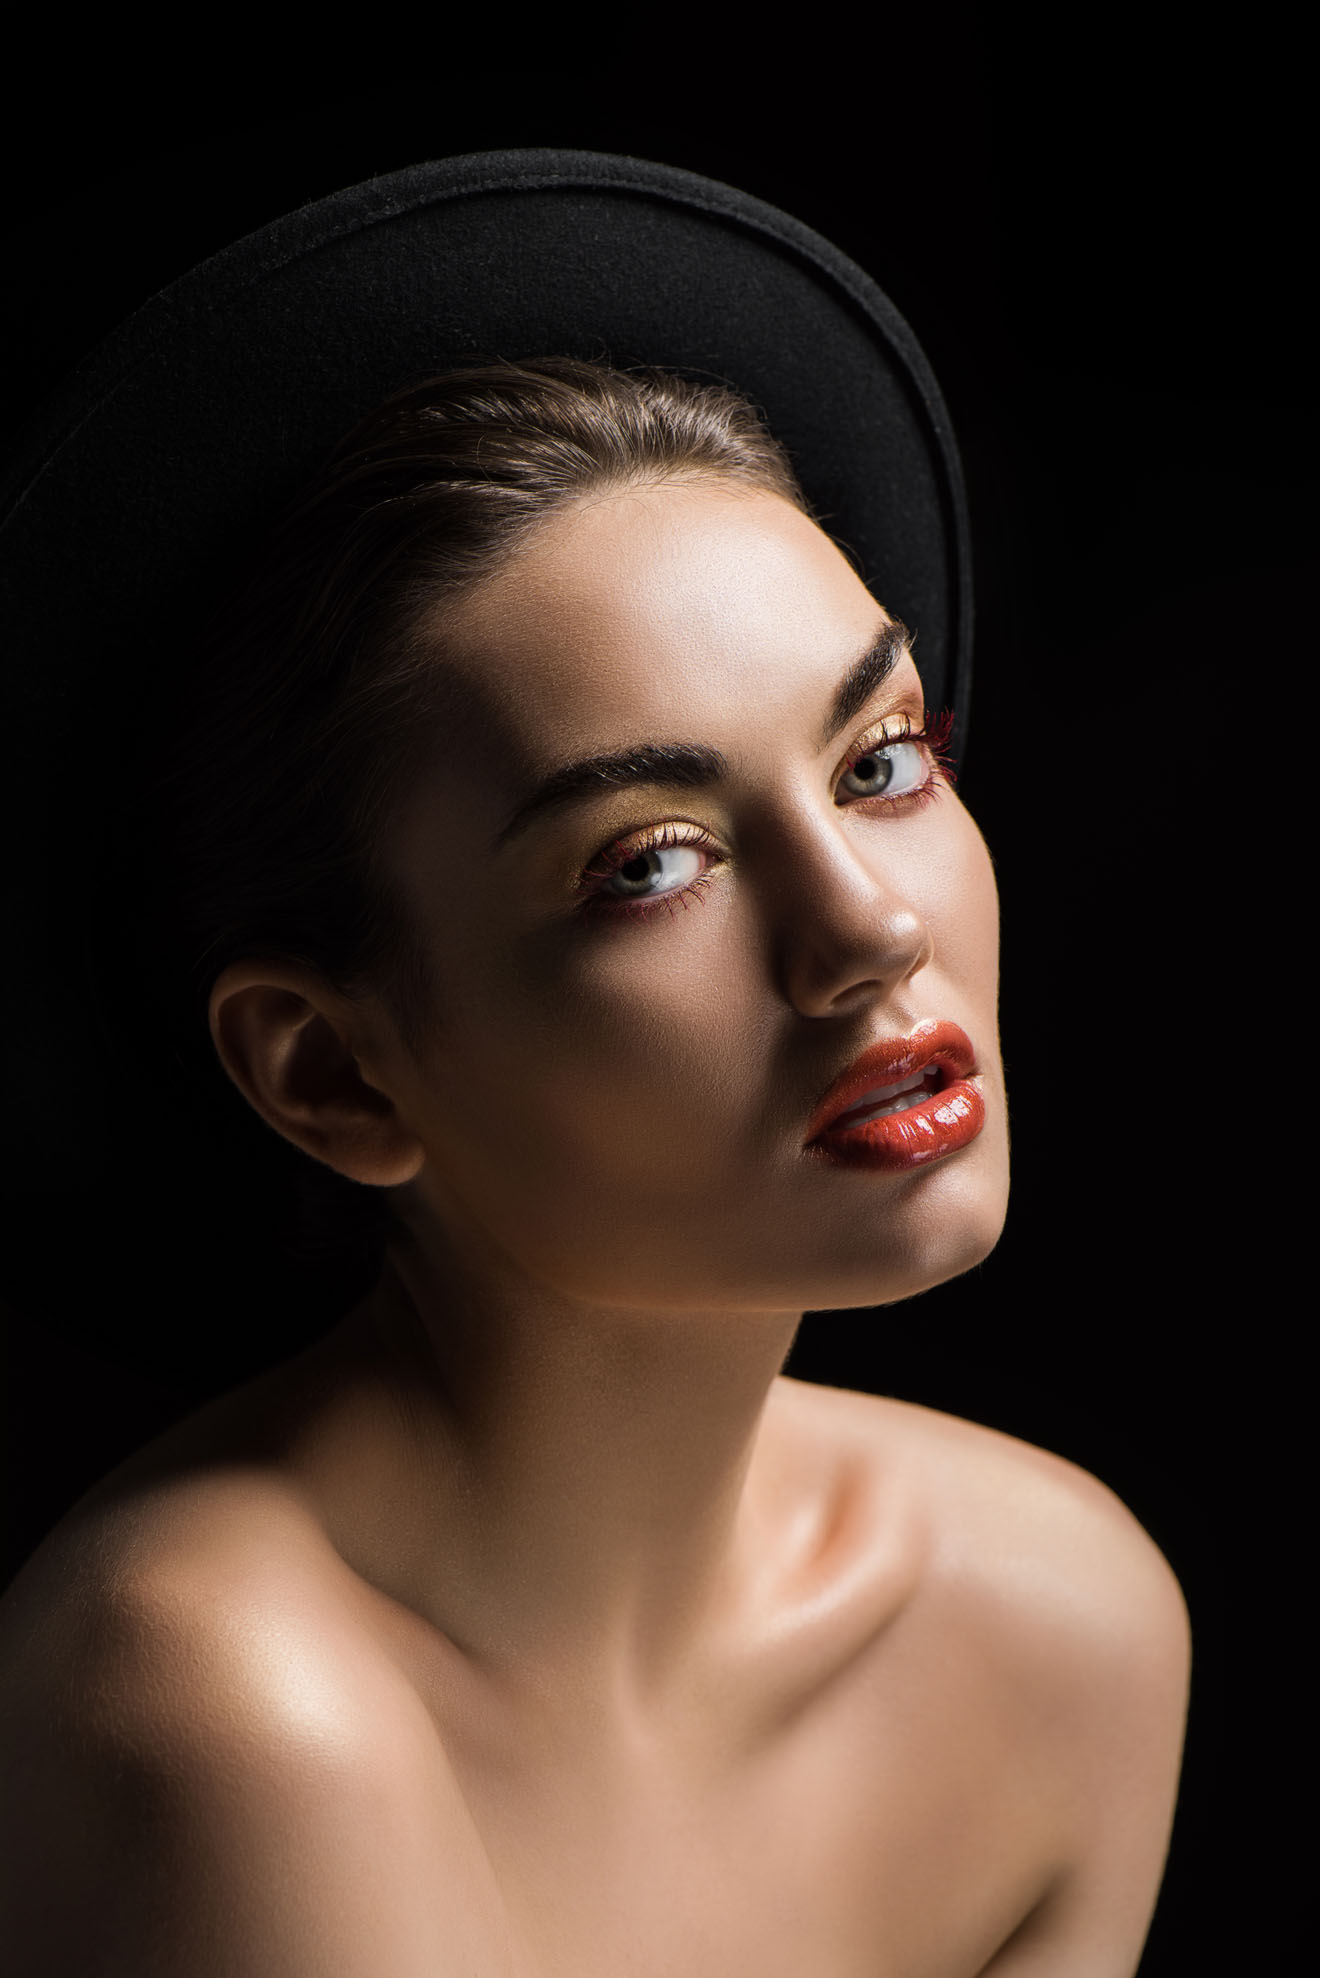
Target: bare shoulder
{"x": 1000, "y": 1508}
{"x": 1074, "y": 1604}
{"x": 205, "y": 1750}
{"x": 123, "y": 1575}
{"x": 1082, "y": 1630}
{"x": 206, "y": 1605}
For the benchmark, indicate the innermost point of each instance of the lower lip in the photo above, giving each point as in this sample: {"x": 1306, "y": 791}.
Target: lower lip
{"x": 915, "y": 1137}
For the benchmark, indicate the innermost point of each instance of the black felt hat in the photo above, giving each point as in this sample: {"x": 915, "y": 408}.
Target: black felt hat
{"x": 127, "y": 497}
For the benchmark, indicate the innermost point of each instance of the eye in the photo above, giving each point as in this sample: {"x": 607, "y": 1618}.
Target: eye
{"x": 670, "y": 865}
{"x": 887, "y": 769}
{"x": 636, "y": 872}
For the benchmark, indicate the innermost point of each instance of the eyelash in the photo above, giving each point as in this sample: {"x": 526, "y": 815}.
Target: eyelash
{"x": 934, "y": 737}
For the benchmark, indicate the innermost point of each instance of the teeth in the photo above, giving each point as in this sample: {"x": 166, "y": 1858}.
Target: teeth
{"x": 895, "y": 1098}
{"x": 883, "y": 1093}
{"x": 902, "y": 1105}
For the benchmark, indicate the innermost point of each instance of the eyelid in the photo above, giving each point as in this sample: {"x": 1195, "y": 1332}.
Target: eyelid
{"x": 930, "y": 735}
{"x": 907, "y": 729}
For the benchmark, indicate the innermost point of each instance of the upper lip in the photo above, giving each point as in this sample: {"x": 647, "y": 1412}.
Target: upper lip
{"x": 891, "y": 1060}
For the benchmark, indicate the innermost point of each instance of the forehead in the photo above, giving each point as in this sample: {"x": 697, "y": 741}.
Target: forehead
{"x": 660, "y": 611}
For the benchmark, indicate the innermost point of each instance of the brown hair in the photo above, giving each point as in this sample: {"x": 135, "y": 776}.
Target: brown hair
{"x": 320, "y": 680}
{"x": 294, "y": 737}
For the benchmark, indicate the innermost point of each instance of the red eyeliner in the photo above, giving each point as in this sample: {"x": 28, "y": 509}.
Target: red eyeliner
{"x": 934, "y": 737}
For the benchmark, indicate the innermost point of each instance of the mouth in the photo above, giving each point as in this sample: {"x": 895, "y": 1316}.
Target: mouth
{"x": 895, "y": 1076}
{"x": 896, "y": 1098}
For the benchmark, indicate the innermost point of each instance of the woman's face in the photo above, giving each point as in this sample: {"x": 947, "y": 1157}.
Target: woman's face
{"x": 618, "y": 1086}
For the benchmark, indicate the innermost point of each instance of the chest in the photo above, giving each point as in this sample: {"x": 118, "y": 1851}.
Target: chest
{"x": 890, "y": 1829}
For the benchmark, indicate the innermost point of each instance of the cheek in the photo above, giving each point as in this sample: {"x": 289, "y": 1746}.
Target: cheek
{"x": 652, "y": 1045}
{"x": 577, "y": 1066}
{"x": 622, "y": 1147}
{"x": 959, "y": 898}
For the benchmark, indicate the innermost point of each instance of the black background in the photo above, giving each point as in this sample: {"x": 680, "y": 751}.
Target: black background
{"x": 1092, "y": 229}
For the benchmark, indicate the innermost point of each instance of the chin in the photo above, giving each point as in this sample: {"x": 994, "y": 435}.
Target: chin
{"x": 952, "y": 1231}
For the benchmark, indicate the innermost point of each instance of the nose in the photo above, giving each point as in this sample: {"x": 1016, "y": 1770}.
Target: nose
{"x": 845, "y": 930}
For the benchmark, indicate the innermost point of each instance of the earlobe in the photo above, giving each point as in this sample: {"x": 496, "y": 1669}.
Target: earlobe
{"x": 290, "y": 1055}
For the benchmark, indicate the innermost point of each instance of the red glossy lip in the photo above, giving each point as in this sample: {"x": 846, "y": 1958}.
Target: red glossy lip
{"x": 930, "y": 1043}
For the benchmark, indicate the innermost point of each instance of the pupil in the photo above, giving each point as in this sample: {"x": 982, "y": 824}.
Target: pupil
{"x": 637, "y": 859}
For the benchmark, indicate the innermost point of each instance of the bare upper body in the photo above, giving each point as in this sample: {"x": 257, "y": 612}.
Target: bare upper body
{"x": 936, "y": 1734}
{"x": 538, "y": 1627}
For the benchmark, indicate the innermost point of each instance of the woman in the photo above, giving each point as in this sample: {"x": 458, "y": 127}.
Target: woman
{"x": 598, "y": 901}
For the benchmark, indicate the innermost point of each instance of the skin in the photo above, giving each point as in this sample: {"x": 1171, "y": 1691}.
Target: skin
{"x": 532, "y": 1623}
{"x": 611, "y": 1230}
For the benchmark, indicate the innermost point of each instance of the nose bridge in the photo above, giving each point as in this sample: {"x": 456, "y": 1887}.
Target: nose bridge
{"x": 839, "y": 916}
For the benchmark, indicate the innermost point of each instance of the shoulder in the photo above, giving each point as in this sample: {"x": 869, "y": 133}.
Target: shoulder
{"x": 1082, "y": 1630}
{"x": 1020, "y": 1534}
{"x": 211, "y": 1761}
{"x": 1048, "y": 1540}
{"x": 161, "y": 1612}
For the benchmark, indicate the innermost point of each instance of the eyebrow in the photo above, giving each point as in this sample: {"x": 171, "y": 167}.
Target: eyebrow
{"x": 693, "y": 765}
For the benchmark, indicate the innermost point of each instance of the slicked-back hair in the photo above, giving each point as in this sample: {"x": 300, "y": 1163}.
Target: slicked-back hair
{"x": 305, "y": 708}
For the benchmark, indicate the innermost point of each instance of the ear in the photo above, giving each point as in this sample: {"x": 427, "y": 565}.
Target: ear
{"x": 294, "y": 1050}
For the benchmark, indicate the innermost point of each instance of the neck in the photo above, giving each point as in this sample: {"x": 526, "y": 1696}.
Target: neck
{"x": 567, "y": 1491}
